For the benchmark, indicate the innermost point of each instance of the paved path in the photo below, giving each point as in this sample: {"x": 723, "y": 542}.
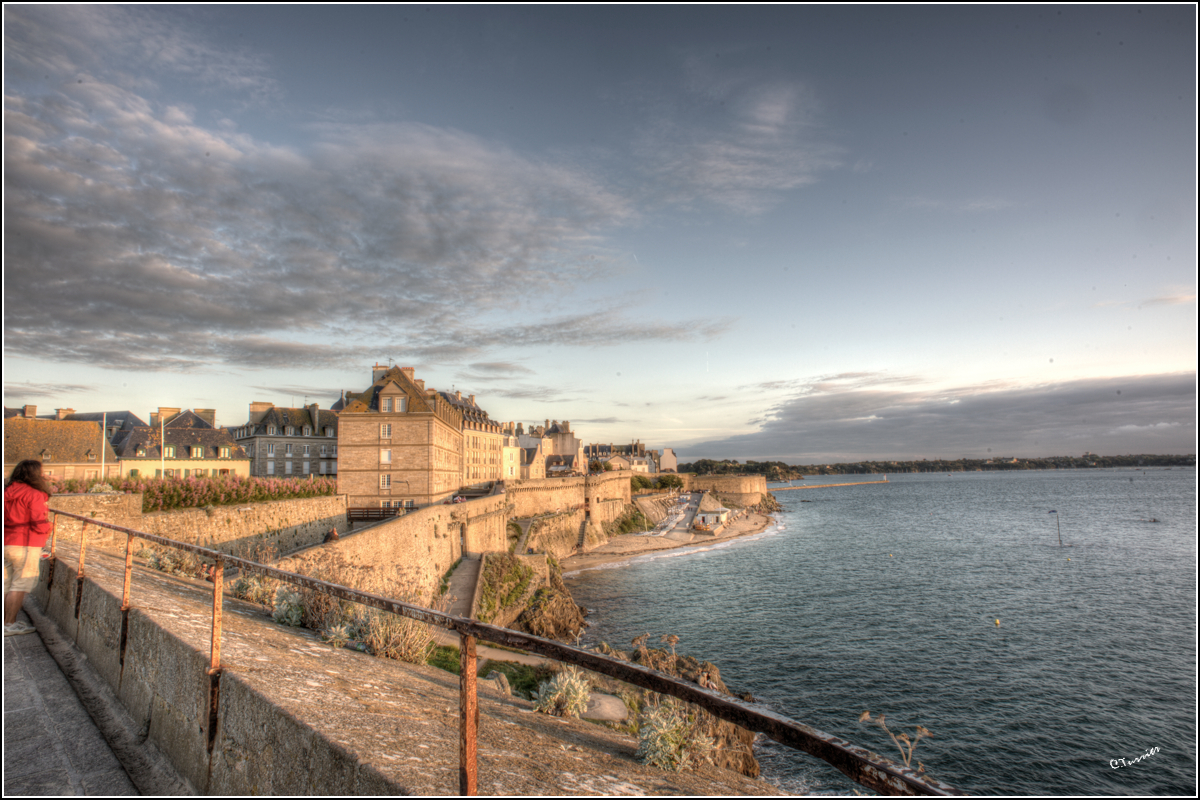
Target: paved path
{"x": 51, "y": 744}
{"x": 461, "y": 588}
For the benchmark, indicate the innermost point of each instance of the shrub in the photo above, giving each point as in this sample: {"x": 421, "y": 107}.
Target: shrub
{"x": 393, "y": 636}
{"x": 669, "y": 738}
{"x": 565, "y": 695}
{"x": 288, "y": 610}
{"x": 253, "y": 589}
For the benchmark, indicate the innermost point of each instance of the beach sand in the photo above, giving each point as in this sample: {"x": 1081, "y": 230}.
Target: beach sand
{"x": 620, "y": 548}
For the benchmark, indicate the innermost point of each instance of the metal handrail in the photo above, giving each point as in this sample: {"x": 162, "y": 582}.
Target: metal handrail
{"x": 857, "y": 763}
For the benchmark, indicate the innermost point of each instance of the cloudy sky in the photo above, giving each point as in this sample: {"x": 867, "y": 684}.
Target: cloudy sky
{"x": 810, "y": 234}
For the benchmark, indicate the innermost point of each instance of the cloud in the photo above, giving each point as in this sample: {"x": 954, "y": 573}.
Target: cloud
{"x": 315, "y": 394}
{"x": 738, "y": 141}
{"x": 1170, "y": 300}
{"x": 505, "y": 368}
{"x": 825, "y": 422}
{"x": 22, "y": 392}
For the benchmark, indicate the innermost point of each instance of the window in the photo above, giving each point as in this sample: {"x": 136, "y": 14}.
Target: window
{"x": 402, "y": 403}
{"x": 288, "y": 449}
{"x": 385, "y": 456}
{"x": 270, "y": 430}
{"x": 385, "y": 431}
{"x": 304, "y": 470}
{"x": 322, "y": 449}
{"x": 91, "y": 473}
{"x": 133, "y": 473}
{"x": 225, "y": 452}
{"x": 306, "y": 449}
{"x": 289, "y": 430}
{"x": 287, "y": 467}
{"x": 270, "y": 467}
{"x": 141, "y": 451}
{"x": 270, "y": 448}
{"x": 385, "y": 481}
{"x": 386, "y": 405}
{"x": 308, "y": 431}
{"x": 329, "y": 431}
{"x": 169, "y": 452}
{"x": 320, "y": 467}
{"x": 197, "y": 452}
{"x": 91, "y": 456}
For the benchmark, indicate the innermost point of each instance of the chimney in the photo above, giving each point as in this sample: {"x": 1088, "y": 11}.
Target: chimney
{"x": 420, "y": 383}
{"x": 258, "y": 410}
{"x": 408, "y": 372}
{"x": 164, "y": 414}
{"x": 378, "y": 371}
{"x": 315, "y": 414}
{"x": 209, "y": 415}
{"x": 472, "y": 399}
{"x": 565, "y": 427}
{"x": 29, "y": 412}
{"x": 458, "y": 395}
{"x": 63, "y": 413}
{"x": 546, "y": 425}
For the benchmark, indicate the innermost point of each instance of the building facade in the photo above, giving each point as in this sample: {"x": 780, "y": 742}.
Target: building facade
{"x": 399, "y": 444}
{"x": 67, "y": 449}
{"x": 179, "y": 444}
{"x": 289, "y": 442}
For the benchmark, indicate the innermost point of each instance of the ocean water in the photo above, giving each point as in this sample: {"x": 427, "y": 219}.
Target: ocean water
{"x": 885, "y": 598}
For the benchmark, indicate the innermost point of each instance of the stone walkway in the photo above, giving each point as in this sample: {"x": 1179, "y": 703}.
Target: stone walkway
{"x": 51, "y": 744}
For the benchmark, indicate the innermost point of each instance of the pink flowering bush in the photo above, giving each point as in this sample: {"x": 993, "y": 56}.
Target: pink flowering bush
{"x": 168, "y": 494}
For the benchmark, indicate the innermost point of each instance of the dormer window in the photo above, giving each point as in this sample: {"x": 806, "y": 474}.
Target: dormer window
{"x": 329, "y": 431}
{"x": 197, "y": 452}
{"x": 141, "y": 451}
{"x": 270, "y": 430}
{"x": 225, "y": 452}
{"x": 169, "y": 451}
{"x": 91, "y": 456}
{"x": 45, "y": 454}
{"x": 386, "y": 405}
{"x": 308, "y": 431}
{"x": 289, "y": 430}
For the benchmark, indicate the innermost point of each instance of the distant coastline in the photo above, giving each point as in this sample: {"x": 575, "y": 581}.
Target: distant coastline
{"x": 780, "y": 471}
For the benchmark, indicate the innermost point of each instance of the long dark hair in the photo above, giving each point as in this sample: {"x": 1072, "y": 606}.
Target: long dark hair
{"x": 29, "y": 472}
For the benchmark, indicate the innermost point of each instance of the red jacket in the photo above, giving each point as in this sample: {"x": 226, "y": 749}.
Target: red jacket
{"x": 25, "y": 516}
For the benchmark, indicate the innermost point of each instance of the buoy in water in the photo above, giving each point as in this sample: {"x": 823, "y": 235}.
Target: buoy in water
{"x": 890, "y": 555}
{"x": 998, "y": 623}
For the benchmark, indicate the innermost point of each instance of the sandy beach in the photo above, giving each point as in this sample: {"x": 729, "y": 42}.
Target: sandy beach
{"x": 620, "y": 548}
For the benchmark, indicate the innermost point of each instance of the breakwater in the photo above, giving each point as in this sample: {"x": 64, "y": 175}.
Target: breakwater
{"x": 825, "y": 485}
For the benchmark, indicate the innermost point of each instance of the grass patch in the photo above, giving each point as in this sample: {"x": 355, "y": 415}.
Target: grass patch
{"x": 523, "y": 678}
{"x": 445, "y": 657}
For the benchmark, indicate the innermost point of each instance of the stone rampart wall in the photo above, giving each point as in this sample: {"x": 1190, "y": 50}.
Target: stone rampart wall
{"x": 534, "y": 496}
{"x": 738, "y": 490}
{"x": 558, "y": 535}
{"x": 284, "y": 525}
{"x": 409, "y": 552}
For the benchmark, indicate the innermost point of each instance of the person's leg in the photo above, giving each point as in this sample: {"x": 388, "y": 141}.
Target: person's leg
{"x": 12, "y": 606}
{"x": 21, "y": 572}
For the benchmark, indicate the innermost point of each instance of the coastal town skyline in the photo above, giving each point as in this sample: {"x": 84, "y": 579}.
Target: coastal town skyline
{"x": 799, "y": 234}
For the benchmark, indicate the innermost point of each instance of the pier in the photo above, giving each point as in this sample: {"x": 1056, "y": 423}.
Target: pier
{"x": 825, "y": 486}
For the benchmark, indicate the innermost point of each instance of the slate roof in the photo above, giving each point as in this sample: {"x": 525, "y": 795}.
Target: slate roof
{"x": 66, "y": 442}
{"x": 470, "y": 411}
{"x": 184, "y": 431}
{"x": 121, "y": 420}
{"x": 361, "y": 402}
{"x": 297, "y": 418}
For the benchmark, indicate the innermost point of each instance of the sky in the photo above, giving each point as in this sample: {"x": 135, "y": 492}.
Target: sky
{"x": 810, "y": 234}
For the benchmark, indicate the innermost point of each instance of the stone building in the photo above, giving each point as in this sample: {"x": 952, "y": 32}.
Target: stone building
{"x": 399, "y": 444}
{"x": 483, "y": 441}
{"x": 668, "y": 461}
{"x": 180, "y": 444}
{"x": 289, "y": 442}
{"x": 67, "y": 449}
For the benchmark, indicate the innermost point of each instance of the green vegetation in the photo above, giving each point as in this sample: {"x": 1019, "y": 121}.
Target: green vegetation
{"x": 640, "y": 483}
{"x": 445, "y": 657}
{"x": 629, "y": 522}
{"x": 564, "y": 695}
{"x": 504, "y": 581}
{"x": 671, "y": 737}
{"x": 779, "y": 471}
{"x": 169, "y": 494}
{"x": 669, "y": 481}
{"x": 445, "y": 583}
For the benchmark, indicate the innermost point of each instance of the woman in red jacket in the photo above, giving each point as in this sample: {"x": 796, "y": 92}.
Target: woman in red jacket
{"x": 25, "y": 530}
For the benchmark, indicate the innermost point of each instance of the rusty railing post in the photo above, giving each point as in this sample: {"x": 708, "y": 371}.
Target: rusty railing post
{"x": 469, "y": 716}
{"x": 218, "y": 576}
{"x": 83, "y": 547}
{"x": 53, "y": 534}
{"x": 128, "y": 571}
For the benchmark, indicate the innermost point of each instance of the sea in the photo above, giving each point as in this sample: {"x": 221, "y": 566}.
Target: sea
{"x": 948, "y": 601}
